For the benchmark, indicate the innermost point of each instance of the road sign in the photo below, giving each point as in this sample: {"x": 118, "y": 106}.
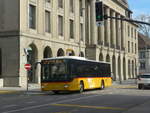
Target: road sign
{"x": 27, "y": 66}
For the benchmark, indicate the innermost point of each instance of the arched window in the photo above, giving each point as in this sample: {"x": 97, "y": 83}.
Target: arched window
{"x": 101, "y": 57}
{"x": 60, "y": 52}
{"x": 47, "y": 52}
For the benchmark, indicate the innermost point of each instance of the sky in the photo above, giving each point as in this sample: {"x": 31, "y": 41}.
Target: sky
{"x": 139, "y": 7}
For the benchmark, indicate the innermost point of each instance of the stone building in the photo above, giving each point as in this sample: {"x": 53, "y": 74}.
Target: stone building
{"x": 144, "y": 53}
{"x": 116, "y": 41}
{"x": 31, "y": 30}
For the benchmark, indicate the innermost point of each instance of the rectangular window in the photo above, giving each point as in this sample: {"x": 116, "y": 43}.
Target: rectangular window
{"x": 60, "y": 25}
{"x": 60, "y": 3}
{"x": 142, "y": 65}
{"x": 71, "y": 29}
{"x": 48, "y": 1}
{"x": 135, "y": 49}
{"x": 142, "y": 55}
{"x": 47, "y": 22}
{"x": 132, "y": 32}
{"x": 80, "y": 8}
{"x": 81, "y": 32}
{"x": 71, "y": 5}
{"x": 128, "y": 46}
{"x": 128, "y": 31}
{"x": 132, "y": 48}
{"x": 32, "y": 16}
{"x": 135, "y": 33}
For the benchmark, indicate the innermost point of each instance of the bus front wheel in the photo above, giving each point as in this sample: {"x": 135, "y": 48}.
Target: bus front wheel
{"x": 56, "y": 92}
{"x": 81, "y": 87}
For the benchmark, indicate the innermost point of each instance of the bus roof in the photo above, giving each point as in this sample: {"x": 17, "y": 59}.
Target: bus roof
{"x": 74, "y": 58}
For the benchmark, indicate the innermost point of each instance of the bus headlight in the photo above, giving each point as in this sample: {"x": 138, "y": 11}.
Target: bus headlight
{"x": 42, "y": 86}
{"x": 66, "y": 86}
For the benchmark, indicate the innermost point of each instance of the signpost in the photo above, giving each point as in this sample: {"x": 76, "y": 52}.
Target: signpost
{"x": 28, "y": 68}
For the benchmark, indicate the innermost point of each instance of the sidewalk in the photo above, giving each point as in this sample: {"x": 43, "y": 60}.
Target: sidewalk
{"x": 130, "y": 83}
{"x": 31, "y": 88}
{"x": 125, "y": 82}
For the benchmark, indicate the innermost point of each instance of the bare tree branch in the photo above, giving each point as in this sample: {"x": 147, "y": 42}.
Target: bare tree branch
{"x": 144, "y": 28}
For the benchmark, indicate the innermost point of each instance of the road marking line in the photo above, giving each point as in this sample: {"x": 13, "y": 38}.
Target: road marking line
{"x": 3, "y": 92}
{"x": 8, "y": 106}
{"x": 75, "y": 99}
{"x": 43, "y": 105}
{"x": 31, "y": 102}
{"x": 85, "y": 106}
{"x": 27, "y": 108}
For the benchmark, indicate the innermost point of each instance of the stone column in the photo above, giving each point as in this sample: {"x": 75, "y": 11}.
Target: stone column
{"x": 66, "y": 22}
{"x": 116, "y": 26}
{"x": 87, "y": 22}
{"x": 40, "y": 19}
{"x": 123, "y": 34}
{"x": 121, "y": 68}
{"x": 117, "y": 74}
{"x": 127, "y": 68}
{"x": 98, "y": 36}
{"x": 54, "y": 20}
{"x": 113, "y": 30}
{"x": 93, "y": 37}
{"x": 102, "y": 34}
{"x": 107, "y": 27}
{"x": 119, "y": 31}
{"x": 38, "y": 67}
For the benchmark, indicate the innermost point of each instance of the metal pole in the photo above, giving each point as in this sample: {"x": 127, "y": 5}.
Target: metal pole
{"x": 26, "y": 53}
{"x": 125, "y": 19}
{"x": 27, "y": 80}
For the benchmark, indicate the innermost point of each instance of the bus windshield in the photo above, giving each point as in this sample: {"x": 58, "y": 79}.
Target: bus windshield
{"x": 54, "y": 71}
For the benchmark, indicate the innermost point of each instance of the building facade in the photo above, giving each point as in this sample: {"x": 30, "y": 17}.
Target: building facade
{"x": 144, "y": 54}
{"x": 115, "y": 41}
{"x": 31, "y": 30}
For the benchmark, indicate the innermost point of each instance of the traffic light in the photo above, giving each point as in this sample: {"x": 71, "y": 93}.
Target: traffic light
{"x": 99, "y": 11}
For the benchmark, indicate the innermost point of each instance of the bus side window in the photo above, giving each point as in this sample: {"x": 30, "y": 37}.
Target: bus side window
{"x": 101, "y": 70}
{"x": 45, "y": 72}
{"x": 73, "y": 70}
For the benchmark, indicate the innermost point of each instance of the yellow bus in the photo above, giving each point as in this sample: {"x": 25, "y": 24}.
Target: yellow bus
{"x": 70, "y": 73}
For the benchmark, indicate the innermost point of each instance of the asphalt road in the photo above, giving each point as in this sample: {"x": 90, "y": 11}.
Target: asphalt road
{"x": 117, "y": 99}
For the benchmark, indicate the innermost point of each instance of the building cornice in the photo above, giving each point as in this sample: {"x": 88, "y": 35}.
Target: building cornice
{"x": 123, "y": 5}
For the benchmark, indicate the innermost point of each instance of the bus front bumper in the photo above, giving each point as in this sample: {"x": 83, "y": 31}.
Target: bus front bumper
{"x": 57, "y": 87}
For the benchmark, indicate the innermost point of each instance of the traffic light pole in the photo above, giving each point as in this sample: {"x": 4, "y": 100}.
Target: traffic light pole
{"x": 125, "y": 19}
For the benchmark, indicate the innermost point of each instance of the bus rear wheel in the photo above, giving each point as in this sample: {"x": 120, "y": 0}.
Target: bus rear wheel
{"x": 81, "y": 87}
{"x": 141, "y": 86}
{"x": 102, "y": 85}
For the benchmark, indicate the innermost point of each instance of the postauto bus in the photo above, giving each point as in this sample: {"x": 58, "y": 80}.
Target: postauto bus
{"x": 70, "y": 73}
